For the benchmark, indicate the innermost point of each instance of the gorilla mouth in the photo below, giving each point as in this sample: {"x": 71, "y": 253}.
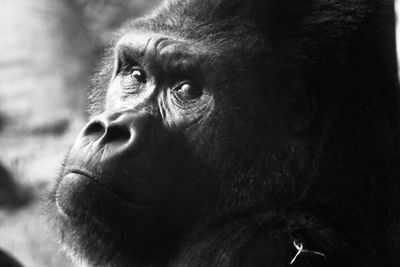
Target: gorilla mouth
{"x": 78, "y": 193}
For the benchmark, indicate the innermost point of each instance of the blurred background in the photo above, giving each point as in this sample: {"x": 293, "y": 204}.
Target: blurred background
{"x": 49, "y": 49}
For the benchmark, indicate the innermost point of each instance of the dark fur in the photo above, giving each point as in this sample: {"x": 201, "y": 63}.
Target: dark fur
{"x": 7, "y": 260}
{"x": 302, "y": 144}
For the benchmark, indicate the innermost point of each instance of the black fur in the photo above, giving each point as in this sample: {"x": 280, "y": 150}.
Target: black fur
{"x": 302, "y": 145}
{"x": 7, "y": 260}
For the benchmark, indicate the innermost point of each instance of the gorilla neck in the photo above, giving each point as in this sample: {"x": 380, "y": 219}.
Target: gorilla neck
{"x": 319, "y": 177}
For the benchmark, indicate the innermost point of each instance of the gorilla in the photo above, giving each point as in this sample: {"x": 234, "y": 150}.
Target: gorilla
{"x": 240, "y": 133}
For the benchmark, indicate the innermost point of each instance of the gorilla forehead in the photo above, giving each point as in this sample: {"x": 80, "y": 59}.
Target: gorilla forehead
{"x": 160, "y": 50}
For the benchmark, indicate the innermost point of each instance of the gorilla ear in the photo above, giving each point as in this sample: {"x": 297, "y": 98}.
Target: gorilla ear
{"x": 301, "y": 107}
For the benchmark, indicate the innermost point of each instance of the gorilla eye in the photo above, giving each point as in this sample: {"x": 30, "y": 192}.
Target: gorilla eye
{"x": 187, "y": 91}
{"x": 139, "y": 76}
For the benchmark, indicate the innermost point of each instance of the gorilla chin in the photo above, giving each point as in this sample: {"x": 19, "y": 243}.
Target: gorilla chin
{"x": 92, "y": 218}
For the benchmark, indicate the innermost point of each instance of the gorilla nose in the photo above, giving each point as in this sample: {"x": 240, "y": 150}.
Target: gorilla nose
{"x": 118, "y": 131}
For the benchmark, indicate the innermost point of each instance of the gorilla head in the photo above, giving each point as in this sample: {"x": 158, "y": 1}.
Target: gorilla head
{"x": 221, "y": 132}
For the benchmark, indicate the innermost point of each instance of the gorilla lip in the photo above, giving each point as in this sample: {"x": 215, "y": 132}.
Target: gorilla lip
{"x": 78, "y": 192}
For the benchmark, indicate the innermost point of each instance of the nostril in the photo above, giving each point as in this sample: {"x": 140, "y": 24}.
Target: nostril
{"x": 95, "y": 128}
{"x": 117, "y": 133}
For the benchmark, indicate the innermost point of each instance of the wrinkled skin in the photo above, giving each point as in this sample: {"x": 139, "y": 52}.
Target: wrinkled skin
{"x": 224, "y": 133}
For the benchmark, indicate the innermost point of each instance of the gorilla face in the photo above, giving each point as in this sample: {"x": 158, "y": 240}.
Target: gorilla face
{"x": 130, "y": 181}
